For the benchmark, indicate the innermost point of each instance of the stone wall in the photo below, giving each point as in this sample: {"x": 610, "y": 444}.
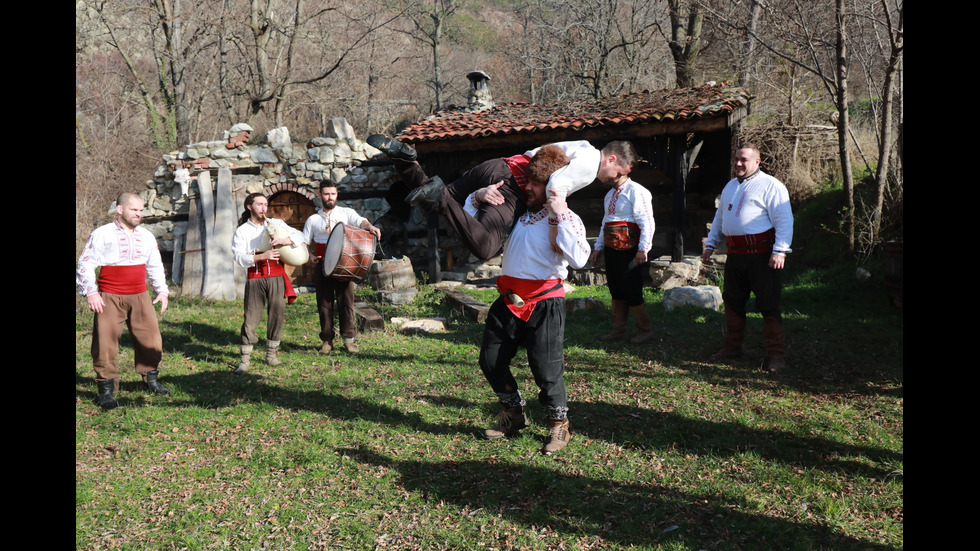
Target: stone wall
{"x": 270, "y": 167}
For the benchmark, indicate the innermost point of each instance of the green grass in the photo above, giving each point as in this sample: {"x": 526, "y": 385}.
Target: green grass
{"x": 383, "y": 450}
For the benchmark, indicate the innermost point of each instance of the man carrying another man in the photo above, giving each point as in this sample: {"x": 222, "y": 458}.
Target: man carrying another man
{"x": 267, "y": 284}
{"x": 127, "y": 254}
{"x": 531, "y": 309}
{"x": 316, "y": 233}
{"x": 755, "y": 219}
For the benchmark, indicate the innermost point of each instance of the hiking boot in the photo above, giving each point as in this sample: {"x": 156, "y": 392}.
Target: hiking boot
{"x": 153, "y": 384}
{"x": 509, "y": 421}
{"x": 392, "y": 147}
{"x": 105, "y": 399}
{"x": 558, "y": 435}
{"x": 326, "y": 347}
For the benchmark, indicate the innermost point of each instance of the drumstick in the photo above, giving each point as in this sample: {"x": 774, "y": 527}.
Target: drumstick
{"x": 515, "y": 298}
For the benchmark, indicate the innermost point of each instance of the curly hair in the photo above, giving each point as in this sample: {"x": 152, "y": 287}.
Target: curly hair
{"x": 547, "y": 160}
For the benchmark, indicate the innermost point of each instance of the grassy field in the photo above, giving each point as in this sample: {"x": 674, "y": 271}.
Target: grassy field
{"x": 384, "y": 450}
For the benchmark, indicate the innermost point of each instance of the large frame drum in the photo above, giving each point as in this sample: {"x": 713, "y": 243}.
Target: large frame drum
{"x": 348, "y": 254}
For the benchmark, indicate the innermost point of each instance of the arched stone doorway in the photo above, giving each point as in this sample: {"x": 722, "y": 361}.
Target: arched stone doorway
{"x": 294, "y": 208}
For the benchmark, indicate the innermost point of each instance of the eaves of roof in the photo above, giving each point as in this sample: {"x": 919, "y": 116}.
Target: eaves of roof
{"x": 647, "y": 107}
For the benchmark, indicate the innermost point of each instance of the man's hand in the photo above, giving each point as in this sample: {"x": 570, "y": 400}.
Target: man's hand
{"x": 556, "y": 203}
{"x": 641, "y": 257}
{"x": 706, "y": 256}
{"x": 375, "y": 231}
{"x": 95, "y": 303}
{"x": 594, "y": 256}
{"x": 164, "y": 300}
{"x": 271, "y": 254}
{"x": 282, "y": 241}
{"x": 491, "y": 194}
{"x": 777, "y": 261}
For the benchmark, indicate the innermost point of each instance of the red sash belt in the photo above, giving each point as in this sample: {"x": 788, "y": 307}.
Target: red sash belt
{"x": 532, "y": 291}
{"x": 268, "y": 268}
{"x": 621, "y": 236}
{"x": 123, "y": 280}
{"x": 517, "y": 165}
{"x": 751, "y": 244}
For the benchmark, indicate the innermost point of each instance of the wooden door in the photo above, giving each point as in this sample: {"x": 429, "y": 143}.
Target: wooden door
{"x": 293, "y": 208}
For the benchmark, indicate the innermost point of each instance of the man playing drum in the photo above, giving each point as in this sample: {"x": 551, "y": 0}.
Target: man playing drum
{"x": 329, "y": 289}
{"x": 267, "y": 281}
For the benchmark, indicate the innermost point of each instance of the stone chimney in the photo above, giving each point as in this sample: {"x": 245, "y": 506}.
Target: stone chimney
{"x": 480, "y": 98}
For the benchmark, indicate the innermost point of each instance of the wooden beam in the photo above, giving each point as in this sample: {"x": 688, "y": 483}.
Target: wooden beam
{"x": 473, "y": 309}
{"x": 368, "y": 319}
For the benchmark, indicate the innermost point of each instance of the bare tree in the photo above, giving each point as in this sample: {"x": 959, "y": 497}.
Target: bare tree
{"x": 686, "y": 23}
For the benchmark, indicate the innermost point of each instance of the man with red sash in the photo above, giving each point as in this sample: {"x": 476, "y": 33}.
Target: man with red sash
{"x": 755, "y": 220}
{"x": 624, "y": 240}
{"x": 499, "y": 186}
{"x": 329, "y": 290}
{"x": 127, "y": 254}
{"x": 530, "y": 312}
{"x": 268, "y": 283}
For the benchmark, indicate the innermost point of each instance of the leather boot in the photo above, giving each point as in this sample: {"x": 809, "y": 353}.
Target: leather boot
{"x": 351, "y": 346}
{"x": 326, "y": 347}
{"x": 272, "y": 353}
{"x": 510, "y": 420}
{"x": 772, "y": 329}
{"x": 644, "y": 332}
{"x": 246, "y": 356}
{"x": 558, "y": 435}
{"x": 734, "y": 334}
{"x": 619, "y": 313}
{"x": 153, "y": 384}
{"x": 105, "y": 399}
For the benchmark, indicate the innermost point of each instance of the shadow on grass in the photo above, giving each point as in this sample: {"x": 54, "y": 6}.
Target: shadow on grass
{"x": 626, "y": 514}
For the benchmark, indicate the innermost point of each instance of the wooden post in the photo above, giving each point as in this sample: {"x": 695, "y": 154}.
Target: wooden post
{"x": 435, "y": 270}
{"x": 193, "y": 277}
{"x": 219, "y": 265}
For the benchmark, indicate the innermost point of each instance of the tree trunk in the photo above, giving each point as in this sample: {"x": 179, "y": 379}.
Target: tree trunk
{"x": 843, "y": 122}
{"x": 887, "y": 123}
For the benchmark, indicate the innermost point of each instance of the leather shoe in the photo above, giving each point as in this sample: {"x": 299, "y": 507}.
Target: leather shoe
{"x": 392, "y": 147}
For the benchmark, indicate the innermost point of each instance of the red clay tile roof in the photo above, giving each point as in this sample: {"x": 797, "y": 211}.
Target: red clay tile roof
{"x": 699, "y": 102}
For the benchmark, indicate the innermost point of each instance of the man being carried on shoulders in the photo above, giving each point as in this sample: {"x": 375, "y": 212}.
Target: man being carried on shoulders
{"x": 483, "y": 203}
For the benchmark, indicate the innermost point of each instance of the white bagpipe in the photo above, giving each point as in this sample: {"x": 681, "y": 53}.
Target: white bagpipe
{"x": 294, "y": 255}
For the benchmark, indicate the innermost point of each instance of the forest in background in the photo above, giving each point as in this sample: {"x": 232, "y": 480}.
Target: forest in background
{"x": 154, "y": 75}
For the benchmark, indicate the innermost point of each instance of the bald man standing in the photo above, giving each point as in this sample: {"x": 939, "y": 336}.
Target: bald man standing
{"x": 117, "y": 295}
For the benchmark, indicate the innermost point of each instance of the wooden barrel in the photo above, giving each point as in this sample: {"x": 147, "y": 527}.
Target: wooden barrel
{"x": 394, "y": 280}
{"x": 386, "y": 275}
{"x": 893, "y": 254}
